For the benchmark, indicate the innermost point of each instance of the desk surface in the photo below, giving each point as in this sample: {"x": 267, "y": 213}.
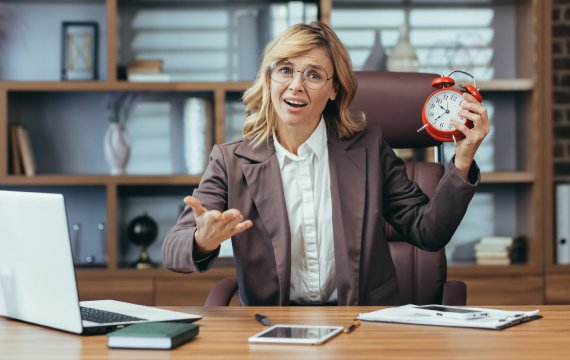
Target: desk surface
{"x": 224, "y": 333}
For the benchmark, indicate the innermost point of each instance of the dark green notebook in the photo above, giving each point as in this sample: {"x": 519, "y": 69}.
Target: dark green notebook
{"x": 155, "y": 335}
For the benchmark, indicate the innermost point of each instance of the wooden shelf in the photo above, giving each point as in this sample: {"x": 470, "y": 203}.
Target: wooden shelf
{"x": 486, "y": 178}
{"x": 490, "y": 85}
{"x": 84, "y": 86}
{"x": 561, "y": 178}
{"x": 222, "y": 265}
{"x": 101, "y": 180}
{"x": 456, "y": 270}
{"x": 559, "y": 269}
{"x": 507, "y": 85}
{"x": 507, "y": 177}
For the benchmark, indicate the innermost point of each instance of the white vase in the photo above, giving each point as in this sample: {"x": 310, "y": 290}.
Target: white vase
{"x": 403, "y": 57}
{"x": 117, "y": 147}
{"x": 197, "y": 134}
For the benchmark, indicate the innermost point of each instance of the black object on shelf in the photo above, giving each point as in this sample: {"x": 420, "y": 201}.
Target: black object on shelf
{"x": 142, "y": 231}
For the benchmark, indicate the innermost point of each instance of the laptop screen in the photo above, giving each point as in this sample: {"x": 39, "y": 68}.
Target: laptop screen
{"x": 37, "y": 277}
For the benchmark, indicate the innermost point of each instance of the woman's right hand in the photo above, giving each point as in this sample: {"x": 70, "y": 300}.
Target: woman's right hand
{"x": 213, "y": 227}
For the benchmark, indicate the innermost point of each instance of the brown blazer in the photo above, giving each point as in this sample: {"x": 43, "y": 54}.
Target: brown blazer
{"x": 369, "y": 186}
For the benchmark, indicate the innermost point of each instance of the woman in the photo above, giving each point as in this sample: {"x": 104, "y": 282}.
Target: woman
{"x": 285, "y": 193}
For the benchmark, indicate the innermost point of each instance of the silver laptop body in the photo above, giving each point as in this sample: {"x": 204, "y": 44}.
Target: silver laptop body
{"x": 37, "y": 277}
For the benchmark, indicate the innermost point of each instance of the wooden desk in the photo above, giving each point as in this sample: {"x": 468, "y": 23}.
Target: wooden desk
{"x": 224, "y": 333}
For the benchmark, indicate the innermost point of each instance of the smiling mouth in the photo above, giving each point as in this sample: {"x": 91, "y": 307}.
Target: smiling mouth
{"x": 296, "y": 104}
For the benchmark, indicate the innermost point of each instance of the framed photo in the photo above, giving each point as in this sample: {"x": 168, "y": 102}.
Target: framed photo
{"x": 79, "y": 50}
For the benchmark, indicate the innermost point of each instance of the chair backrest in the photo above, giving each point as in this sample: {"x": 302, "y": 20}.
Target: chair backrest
{"x": 394, "y": 101}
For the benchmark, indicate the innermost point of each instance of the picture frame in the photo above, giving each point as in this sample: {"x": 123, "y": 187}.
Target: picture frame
{"x": 80, "y": 43}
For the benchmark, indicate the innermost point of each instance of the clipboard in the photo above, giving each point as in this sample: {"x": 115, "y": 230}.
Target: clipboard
{"x": 496, "y": 319}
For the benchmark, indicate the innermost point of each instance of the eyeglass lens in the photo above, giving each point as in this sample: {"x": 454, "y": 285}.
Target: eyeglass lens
{"x": 314, "y": 77}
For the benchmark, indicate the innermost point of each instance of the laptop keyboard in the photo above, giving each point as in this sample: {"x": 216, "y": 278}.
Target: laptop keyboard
{"x": 104, "y": 317}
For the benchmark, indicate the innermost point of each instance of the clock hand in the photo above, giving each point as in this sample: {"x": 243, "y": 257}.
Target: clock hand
{"x": 434, "y": 120}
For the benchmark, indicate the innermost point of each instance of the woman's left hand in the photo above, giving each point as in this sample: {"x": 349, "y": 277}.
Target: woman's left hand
{"x": 465, "y": 149}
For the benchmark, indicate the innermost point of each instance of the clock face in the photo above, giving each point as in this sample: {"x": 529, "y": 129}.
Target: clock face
{"x": 442, "y": 106}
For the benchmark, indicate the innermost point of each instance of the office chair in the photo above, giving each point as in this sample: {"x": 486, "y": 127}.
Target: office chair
{"x": 393, "y": 101}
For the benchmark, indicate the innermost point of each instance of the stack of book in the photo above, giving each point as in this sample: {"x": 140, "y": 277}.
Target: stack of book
{"x": 499, "y": 250}
{"x": 146, "y": 71}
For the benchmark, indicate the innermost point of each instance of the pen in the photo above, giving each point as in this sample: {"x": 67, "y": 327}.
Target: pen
{"x": 352, "y": 327}
{"x": 262, "y": 319}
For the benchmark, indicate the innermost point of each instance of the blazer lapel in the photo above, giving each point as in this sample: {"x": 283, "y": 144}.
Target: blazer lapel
{"x": 263, "y": 179}
{"x": 348, "y": 192}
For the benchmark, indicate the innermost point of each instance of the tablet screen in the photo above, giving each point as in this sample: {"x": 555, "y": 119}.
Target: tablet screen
{"x": 297, "y": 334}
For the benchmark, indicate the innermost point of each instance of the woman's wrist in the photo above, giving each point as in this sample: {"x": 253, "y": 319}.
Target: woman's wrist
{"x": 463, "y": 165}
{"x": 199, "y": 247}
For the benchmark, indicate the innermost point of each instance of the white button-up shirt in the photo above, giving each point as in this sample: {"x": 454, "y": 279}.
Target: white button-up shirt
{"x": 306, "y": 184}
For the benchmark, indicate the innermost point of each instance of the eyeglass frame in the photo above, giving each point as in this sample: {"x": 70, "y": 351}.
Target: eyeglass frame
{"x": 274, "y": 63}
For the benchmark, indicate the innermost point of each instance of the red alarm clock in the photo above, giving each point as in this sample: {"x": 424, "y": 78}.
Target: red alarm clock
{"x": 444, "y": 104}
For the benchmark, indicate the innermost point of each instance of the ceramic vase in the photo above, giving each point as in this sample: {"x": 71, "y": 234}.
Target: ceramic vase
{"x": 117, "y": 147}
{"x": 197, "y": 134}
{"x": 403, "y": 57}
{"x": 376, "y": 61}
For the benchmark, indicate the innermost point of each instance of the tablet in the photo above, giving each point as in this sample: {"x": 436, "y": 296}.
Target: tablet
{"x": 296, "y": 334}
{"x": 452, "y": 312}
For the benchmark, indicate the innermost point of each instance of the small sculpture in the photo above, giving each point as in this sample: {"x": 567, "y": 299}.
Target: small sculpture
{"x": 142, "y": 231}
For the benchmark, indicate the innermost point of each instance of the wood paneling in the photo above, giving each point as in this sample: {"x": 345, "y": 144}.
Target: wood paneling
{"x": 139, "y": 291}
{"x": 504, "y": 290}
{"x": 152, "y": 287}
{"x": 190, "y": 290}
{"x": 557, "y": 289}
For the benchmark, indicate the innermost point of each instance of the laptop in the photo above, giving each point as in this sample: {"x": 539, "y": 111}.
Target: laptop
{"x": 37, "y": 277}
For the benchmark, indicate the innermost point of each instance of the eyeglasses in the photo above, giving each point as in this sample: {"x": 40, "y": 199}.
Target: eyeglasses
{"x": 315, "y": 77}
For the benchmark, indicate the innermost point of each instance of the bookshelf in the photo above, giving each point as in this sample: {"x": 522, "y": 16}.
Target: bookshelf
{"x": 557, "y": 276}
{"x": 70, "y": 113}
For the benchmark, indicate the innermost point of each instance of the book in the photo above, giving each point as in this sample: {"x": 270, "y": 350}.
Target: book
{"x": 495, "y": 319}
{"x": 153, "y": 335}
{"x": 25, "y": 147}
{"x": 488, "y": 253}
{"x": 563, "y": 224}
{"x": 148, "y": 77}
{"x": 497, "y": 240}
{"x": 146, "y": 63}
{"x": 492, "y": 248}
{"x": 15, "y": 150}
{"x": 493, "y": 261}
{"x": 141, "y": 66}
{"x": 143, "y": 70}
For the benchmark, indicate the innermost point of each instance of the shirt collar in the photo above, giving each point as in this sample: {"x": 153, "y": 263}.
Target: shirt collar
{"x": 316, "y": 143}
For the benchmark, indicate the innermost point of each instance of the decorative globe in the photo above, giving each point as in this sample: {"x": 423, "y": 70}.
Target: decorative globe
{"x": 142, "y": 230}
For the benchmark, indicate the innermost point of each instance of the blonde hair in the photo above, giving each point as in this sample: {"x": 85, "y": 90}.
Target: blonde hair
{"x": 261, "y": 117}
